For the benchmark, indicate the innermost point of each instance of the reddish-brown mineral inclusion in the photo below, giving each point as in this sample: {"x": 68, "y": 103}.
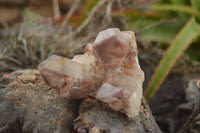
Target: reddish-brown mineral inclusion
{"x": 109, "y": 71}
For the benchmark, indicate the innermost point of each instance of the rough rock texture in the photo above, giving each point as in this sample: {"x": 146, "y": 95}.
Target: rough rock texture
{"x": 109, "y": 71}
{"x": 95, "y": 117}
{"x": 178, "y": 110}
{"x": 28, "y": 105}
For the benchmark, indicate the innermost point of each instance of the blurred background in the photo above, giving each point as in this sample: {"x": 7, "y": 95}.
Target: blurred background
{"x": 54, "y": 22}
{"x": 32, "y": 30}
{"x": 167, "y": 33}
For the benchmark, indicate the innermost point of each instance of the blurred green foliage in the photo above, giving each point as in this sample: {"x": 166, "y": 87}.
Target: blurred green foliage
{"x": 175, "y": 22}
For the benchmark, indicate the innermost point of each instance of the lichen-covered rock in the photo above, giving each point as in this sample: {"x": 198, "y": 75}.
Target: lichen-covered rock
{"x": 28, "y": 105}
{"x": 96, "y": 117}
{"x": 109, "y": 71}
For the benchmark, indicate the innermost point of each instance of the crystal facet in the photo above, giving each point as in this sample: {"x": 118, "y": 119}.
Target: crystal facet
{"x": 109, "y": 71}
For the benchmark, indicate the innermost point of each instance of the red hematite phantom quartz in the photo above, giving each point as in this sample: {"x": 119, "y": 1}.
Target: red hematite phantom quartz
{"x": 109, "y": 71}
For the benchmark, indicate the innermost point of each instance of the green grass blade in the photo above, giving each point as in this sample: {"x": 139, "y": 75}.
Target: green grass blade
{"x": 163, "y": 33}
{"x": 177, "y": 8}
{"x": 181, "y": 42}
{"x": 182, "y": 2}
{"x": 196, "y": 4}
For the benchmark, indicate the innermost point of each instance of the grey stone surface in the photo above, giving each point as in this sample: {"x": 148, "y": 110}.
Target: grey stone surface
{"x": 175, "y": 104}
{"x": 96, "y": 117}
{"x": 28, "y": 105}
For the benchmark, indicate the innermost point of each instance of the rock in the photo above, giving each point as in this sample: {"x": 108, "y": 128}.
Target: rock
{"x": 95, "y": 117}
{"x": 191, "y": 104}
{"x": 109, "y": 71}
{"x": 28, "y": 105}
{"x": 175, "y": 109}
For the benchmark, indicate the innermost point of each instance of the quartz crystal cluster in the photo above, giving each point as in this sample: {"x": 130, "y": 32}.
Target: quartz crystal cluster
{"x": 108, "y": 71}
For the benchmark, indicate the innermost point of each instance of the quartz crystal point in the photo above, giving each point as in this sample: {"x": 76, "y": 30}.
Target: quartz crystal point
{"x": 109, "y": 71}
